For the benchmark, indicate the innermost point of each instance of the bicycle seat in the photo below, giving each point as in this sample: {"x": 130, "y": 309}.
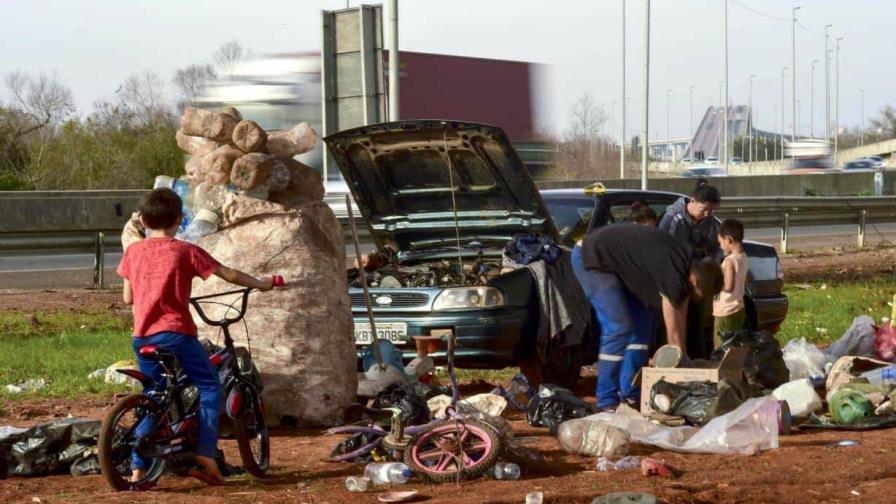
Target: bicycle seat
{"x": 154, "y": 352}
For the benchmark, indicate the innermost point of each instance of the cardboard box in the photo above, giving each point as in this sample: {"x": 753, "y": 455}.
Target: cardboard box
{"x": 730, "y": 367}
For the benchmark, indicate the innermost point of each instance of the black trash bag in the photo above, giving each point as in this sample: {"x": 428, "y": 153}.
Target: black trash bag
{"x": 413, "y": 408}
{"x": 354, "y": 443}
{"x": 764, "y": 367}
{"x": 697, "y": 402}
{"x": 553, "y": 405}
{"x": 50, "y": 447}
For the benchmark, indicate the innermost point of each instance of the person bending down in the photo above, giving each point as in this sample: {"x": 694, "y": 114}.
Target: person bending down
{"x": 158, "y": 274}
{"x": 630, "y": 272}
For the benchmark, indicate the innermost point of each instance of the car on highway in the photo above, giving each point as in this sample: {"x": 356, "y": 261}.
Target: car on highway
{"x": 878, "y": 162}
{"x": 577, "y": 211}
{"x": 444, "y": 197}
{"x": 704, "y": 171}
{"x": 711, "y": 160}
{"x": 860, "y": 165}
{"x": 811, "y": 165}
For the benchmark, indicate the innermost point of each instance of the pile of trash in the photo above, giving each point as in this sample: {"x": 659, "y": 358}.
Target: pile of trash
{"x": 58, "y": 446}
{"x": 253, "y": 207}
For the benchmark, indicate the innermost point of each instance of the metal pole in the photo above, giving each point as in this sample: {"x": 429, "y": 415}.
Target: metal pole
{"x": 622, "y": 129}
{"x": 99, "y": 261}
{"x": 721, "y": 127}
{"x": 393, "y": 60}
{"x": 668, "y": 134}
{"x": 862, "y": 219}
{"x": 827, "y": 86}
{"x": 774, "y": 144}
{"x": 646, "y": 96}
{"x": 362, "y": 276}
{"x": 783, "y": 106}
{"x": 785, "y": 231}
{"x": 837, "y": 104}
{"x": 751, "y": 118}
{"x": 812, "y": 102}
{"x": 862, "y": 124}
{"x": 793, "y": 77}
{"x": 725, "y": 104}
{"x": 691, "y": 105}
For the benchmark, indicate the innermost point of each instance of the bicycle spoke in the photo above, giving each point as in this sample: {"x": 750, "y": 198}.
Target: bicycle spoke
{"x": 430, "y": 454}
{"x": 446, "y": 459}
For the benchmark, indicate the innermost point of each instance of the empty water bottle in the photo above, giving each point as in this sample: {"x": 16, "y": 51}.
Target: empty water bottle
{"x": 387, "y": 473}
{"x": 357, "y": 484}
{"x": 182, "y": 189}
{"x": 205, "y": 222}
{"x": 881, "y": 376}
{"x": 505, "y": 471}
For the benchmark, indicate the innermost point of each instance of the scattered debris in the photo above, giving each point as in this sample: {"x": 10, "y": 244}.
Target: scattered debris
{"x": 535, "y": 498}
{"x": 30, "y": 385}
{"x": 625, "y": 463}
{"x": 653, "y": 467}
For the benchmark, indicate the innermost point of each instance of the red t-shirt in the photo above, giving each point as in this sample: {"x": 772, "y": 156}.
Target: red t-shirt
{"x": 161, "y": 272}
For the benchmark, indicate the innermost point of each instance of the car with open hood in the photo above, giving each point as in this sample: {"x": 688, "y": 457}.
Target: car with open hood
{"x": 441, "y": 199}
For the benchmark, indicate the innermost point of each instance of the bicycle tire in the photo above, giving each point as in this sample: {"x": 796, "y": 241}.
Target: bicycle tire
{"x": 106, "y": 451}
{"x": 255, "y": 465}
{"x": 484, "y": 463}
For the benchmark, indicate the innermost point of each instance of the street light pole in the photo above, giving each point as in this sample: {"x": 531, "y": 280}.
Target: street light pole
{"x": 862, "y": 124}
{"x": 725, "y": 104}
{"x": 783, "y": 126}
{"x": 393, "y": 60}
{"x": 793, "y": 76}
{"x": 827, "y": 86}
{"x": 668, "y": 122}
{"x": 837, "y": 103}
{"x": 812, "y": 102}
{"x": 622, "y": 129}
{"x": 644, "y": 150}
{"x": 691, "y": 107}
{"x": 719, "y": 155}
{"x": 751, "y": 118}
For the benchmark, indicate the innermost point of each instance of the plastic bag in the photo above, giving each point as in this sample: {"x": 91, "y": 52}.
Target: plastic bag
{"x": 764, "y": 367}
{"x": 631, "y": 462}
{"x": 804, "y": 360}
{"x": 885, "y": 343}
{"x": 413, "y": 408}
{"x": 753, "y": 426}
{"x": 800, "y": 396}
{"x": 587, "y": 437}
{"x": 858, "y": 340}
{"x": 553, "y": 405}
{"x": 49, "y": 447}
{"x": 697, "y": 402}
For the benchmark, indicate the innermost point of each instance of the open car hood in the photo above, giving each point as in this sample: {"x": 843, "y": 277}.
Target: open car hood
{"x": 399, "y": 175}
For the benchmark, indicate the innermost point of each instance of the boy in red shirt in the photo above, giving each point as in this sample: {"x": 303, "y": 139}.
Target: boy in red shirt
{"x": 158, "y": 275}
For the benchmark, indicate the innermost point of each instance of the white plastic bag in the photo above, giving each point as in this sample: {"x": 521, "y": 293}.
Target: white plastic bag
{"x": 592, "y": 438}
{"x": 800, "y": 396}
{"x": 752, "y": 427}
{"x": 804, "y": 360}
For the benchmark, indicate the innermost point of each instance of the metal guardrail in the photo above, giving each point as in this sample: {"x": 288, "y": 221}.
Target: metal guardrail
{"x": 755, "y": 212}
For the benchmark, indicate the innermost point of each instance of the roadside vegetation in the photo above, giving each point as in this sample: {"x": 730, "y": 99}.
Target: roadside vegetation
{"x": 63, "y": 348}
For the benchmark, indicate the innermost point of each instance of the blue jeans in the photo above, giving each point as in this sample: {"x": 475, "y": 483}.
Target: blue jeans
{"x": 194, "y": 360}
{"x": 626, "y": 328}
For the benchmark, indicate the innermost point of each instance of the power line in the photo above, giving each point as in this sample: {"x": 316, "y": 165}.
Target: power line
{"x": 759, "y": 13}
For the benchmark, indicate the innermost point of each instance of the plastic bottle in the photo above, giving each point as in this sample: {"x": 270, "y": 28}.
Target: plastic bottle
{"x": 800, "y": 396}
{"x": 209, "y": 196}
{"x": 182, "y": 189}
{"x": 592, "y": 438}
{"x": 206, "y": 222}
{"x": 505, "y": 471}
{"x": 625, "y": 463}
{"x": 535, "y": 498}
{"x": 387, "y": 473}
{"x": 357, "y": 484}
{"x": 881, "y": 376}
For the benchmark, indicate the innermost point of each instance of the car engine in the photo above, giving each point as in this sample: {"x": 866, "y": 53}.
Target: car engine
{"x": 442, "y": 273}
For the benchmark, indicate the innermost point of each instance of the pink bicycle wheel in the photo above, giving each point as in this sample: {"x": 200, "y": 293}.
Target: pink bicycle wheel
{"x": 453, "y": 448}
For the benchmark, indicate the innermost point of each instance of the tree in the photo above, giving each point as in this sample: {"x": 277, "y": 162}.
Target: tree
{"x": 143, "y": 95}
{"x": 227, "y": 56}
{"x": 583, "y": 153}
{"x": 190, "y": 81}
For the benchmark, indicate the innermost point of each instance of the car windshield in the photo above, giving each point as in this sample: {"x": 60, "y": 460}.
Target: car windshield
{"x": 572, "y": 216}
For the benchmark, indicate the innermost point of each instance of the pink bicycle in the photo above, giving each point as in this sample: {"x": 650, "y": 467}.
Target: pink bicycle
{"x": 456, "y": 448}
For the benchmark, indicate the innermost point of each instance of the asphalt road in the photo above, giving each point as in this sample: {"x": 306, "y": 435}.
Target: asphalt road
{"x": 57, "y": 271}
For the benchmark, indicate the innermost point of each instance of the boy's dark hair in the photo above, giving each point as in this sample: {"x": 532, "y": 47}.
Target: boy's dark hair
{"x": 732, "y": 228}
{"x": 708, "y": 274}
{"x": 160, "y": 208}
{"x": 641, "y": 213}
{"x": 705, "y": 193}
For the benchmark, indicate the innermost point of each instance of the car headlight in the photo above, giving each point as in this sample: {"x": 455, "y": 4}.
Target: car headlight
{"x": 458, "y": 298}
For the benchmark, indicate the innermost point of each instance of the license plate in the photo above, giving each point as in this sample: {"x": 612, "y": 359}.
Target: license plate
{"x": 396, "y": 332}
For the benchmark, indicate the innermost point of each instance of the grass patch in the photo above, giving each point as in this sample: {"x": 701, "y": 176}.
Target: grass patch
{"x": 63, "y": 348}
{"x": 822, "y": 313}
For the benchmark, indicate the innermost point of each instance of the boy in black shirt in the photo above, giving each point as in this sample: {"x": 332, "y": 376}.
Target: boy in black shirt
{"x": 626, "y": 270}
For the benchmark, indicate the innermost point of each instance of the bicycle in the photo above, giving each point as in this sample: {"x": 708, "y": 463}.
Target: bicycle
{"x": 458, "y": 447}
{"x": 173, "y": 411}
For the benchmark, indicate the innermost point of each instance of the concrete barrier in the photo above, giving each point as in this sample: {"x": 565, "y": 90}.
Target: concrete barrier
{"x": 65, "y": 211}
{"x": 828, "y": 184}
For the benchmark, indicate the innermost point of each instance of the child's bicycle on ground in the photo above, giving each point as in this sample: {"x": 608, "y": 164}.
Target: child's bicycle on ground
{"x": 172, "y": 411}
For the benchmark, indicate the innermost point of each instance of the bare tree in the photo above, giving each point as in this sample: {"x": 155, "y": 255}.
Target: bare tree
{"x": 583, "y": 153}
{"x": 190, "y": 81}
{"x": 227, "y": 56}
{"x": 143, "y": 95}
{"x": 38, "y": 102}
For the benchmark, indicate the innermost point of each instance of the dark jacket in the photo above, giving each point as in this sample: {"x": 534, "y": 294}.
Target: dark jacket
{"x": 701, "y": 239}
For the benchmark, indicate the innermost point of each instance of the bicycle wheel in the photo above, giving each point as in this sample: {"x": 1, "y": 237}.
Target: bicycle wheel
{"x": 118, "y": 438}
{"x": 453, "y": 449}
{"x": 253, "y": 437}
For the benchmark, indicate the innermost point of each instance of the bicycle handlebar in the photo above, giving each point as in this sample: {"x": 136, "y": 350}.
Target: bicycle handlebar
{"x": 224, "y": 321}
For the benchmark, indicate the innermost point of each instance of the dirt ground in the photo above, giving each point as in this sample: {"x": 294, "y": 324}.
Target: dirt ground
{"x": 806, "y": 468}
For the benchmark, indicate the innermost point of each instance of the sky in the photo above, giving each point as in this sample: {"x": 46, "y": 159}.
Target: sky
{"x": 93, "y": 45}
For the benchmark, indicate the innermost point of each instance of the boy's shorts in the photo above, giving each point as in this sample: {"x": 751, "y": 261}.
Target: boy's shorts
{"x": 729, "y": 323}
